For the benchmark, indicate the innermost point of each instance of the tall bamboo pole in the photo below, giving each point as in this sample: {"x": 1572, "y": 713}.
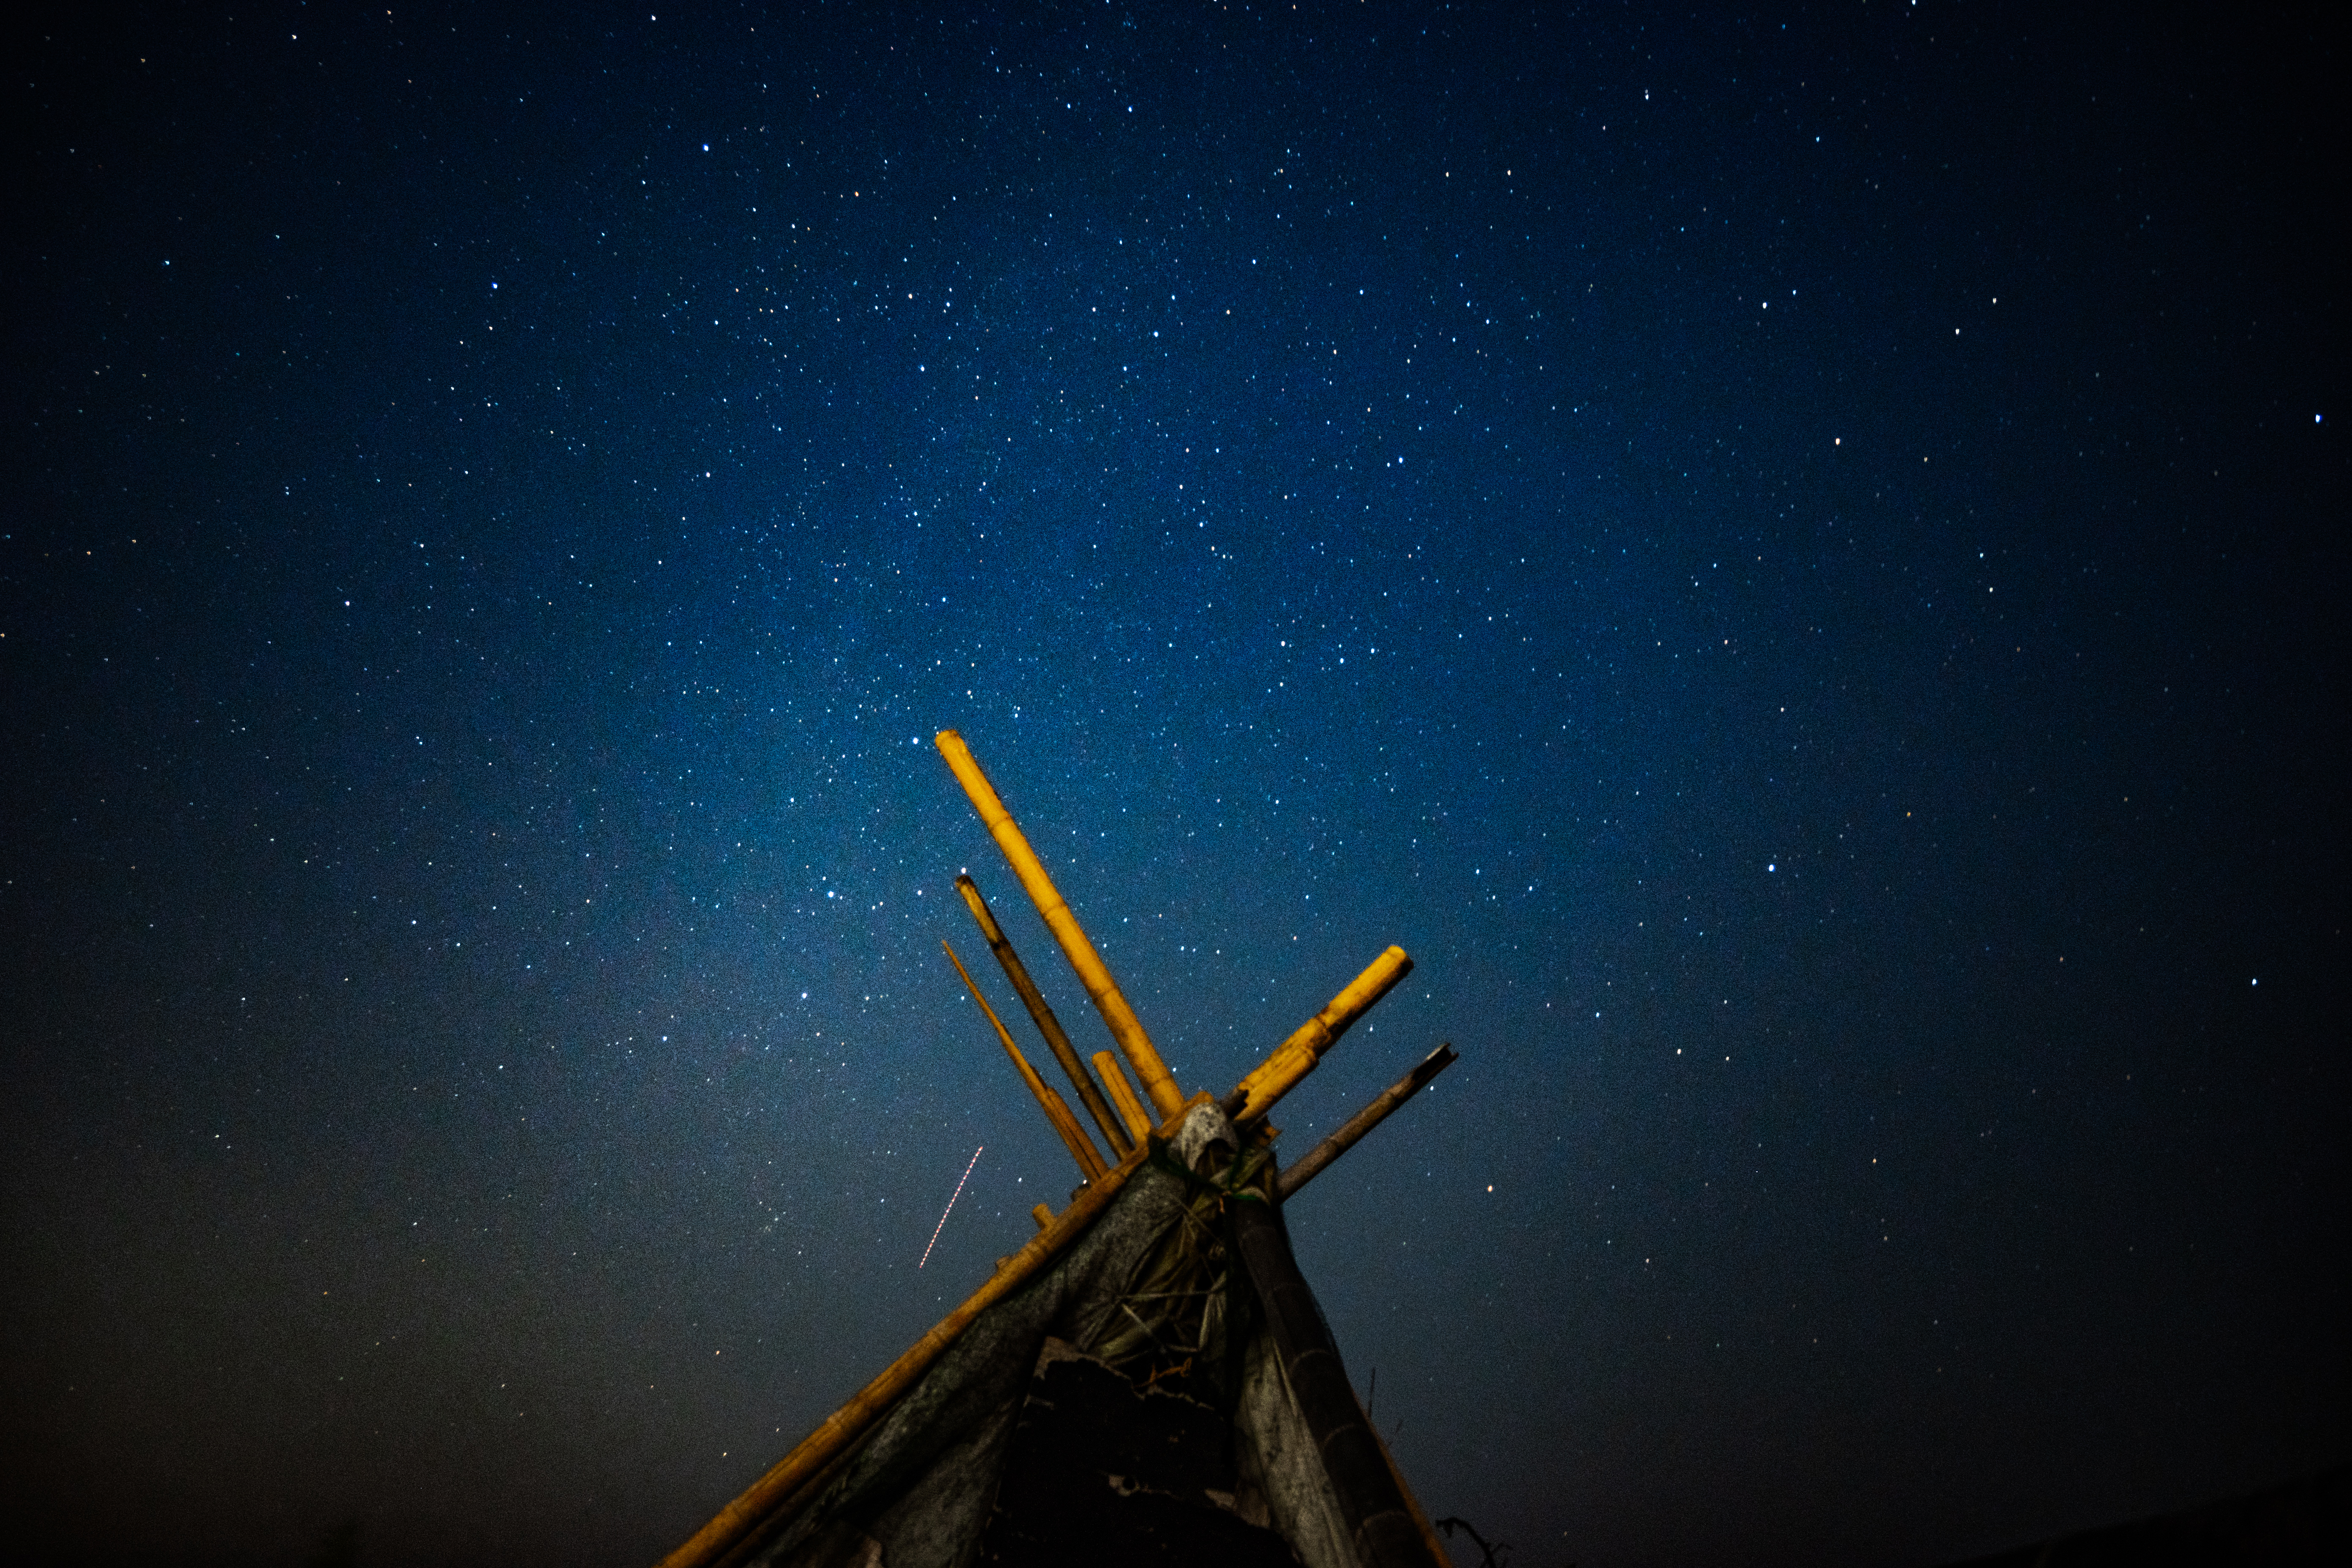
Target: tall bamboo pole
{"x": 1074, "y": 1136}
{"x": 1126, "y": 1030}
{"x": 1056, "y": 1040}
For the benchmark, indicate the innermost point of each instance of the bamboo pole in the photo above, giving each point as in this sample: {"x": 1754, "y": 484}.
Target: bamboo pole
{"x": 849, "y": 1423}
{"x": 1363, "y": 1121}
{"x": 1056, "y": 1040}
{"x": 1123, "y": 1094}
{"x": 1370, "y": 1493}
{"x": 1073, "y": 1137}
{"x": 1296, "y": 1057}
{"x": 1126, "y": 1029}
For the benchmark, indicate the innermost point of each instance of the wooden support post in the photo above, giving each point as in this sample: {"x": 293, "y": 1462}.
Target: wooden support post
{"x": 1296, "y": 1057}
{"x": 1073, "y": 1137}
{"x": 1129, "y": 1108}
{"x": 1363, "y": 1121}
{"x": 1125, "y": 1028}
{"x": 1056, "y": 1040}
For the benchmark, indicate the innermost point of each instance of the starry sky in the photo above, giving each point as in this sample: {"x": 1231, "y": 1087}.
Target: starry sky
{"x": 1783, "y": 555}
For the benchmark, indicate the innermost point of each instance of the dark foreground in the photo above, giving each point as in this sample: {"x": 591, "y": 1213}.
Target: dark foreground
{"x": 2308, "y": 1520}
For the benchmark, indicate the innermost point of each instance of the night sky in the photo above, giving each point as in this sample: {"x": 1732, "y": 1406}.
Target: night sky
{"x": 1794, "y": 560}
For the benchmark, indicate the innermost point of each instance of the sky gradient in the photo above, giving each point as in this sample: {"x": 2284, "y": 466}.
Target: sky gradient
{"x": 1784, "y": 557}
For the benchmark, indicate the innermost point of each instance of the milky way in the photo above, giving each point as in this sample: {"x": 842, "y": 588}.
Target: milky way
{"x": 1789, "y": 561}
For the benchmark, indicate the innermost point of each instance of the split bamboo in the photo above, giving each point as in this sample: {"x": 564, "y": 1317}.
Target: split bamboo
{"x": 1123, "y": 1094}
{"x": 1296, "y": 1057}
{"x": 1363, "y": 1121}
{"x": 846, "y": 1424}
{"x": 1126, "y": 1029}
{"x": 1073, "y": 1137}
{"x": 1056, "y": 1040}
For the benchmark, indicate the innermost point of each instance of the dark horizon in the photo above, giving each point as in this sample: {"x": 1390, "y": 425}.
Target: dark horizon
{"x": 1791, "y": 560}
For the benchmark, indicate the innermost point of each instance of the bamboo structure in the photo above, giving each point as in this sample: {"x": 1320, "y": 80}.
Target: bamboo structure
{"x": 1073, "y": 1137}
{"x": 1372, "y": 1494}
{"x": 1363, "y": 1121}
{"x": 807, "y": 1507}
{"x": 1130, "y": 1110}
{"x": 1126, "y": 1029}
{"x": 1113, "y": 1130}
{"x": 1296, "y": 1057}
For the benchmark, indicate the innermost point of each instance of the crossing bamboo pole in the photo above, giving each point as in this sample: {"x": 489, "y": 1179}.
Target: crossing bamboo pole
{"x": 1056, "y": 1040}
{"x": 1296, "y": 1176}
{"x": 1296, "y": 1057}
{"x": 1129, "y": 1108}
{"x": 1126, "y": 1029}
{"x": 1074, "y": 1136}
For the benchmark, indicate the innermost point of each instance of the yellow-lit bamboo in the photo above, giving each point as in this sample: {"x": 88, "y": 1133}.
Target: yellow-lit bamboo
{"x": 1056, "y": 1040}
{"x": 1125, "y": 1028}
{"x": 1296, "y": 1057}
{"x": 1123, "y": 1096}
{"x": 1073, "y": 1137}
{"x": 846, "y": 1424}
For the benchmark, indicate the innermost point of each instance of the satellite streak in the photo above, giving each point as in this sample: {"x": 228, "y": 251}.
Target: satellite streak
{"x": 950, "y": 1209}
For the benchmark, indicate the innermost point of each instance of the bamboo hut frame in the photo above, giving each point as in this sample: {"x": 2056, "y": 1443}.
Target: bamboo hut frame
{"x": 1131, "y": 1132}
